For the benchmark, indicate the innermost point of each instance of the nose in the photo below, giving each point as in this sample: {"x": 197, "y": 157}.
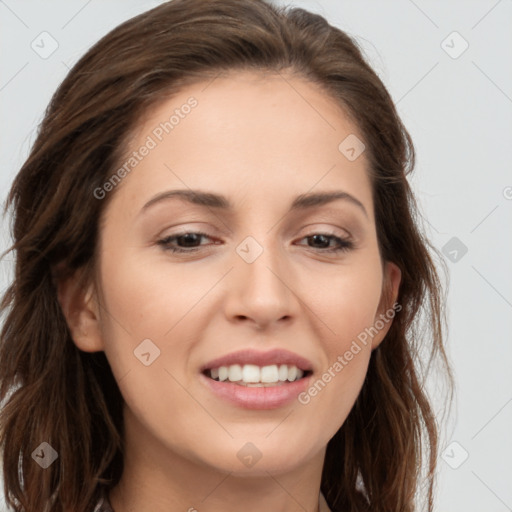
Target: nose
{"x": 260, "y": 292}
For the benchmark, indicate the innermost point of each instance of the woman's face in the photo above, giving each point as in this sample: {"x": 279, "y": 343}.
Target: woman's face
{"x": 257, "y": 279}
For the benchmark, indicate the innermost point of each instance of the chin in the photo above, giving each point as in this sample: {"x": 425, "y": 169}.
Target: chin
{"x": 257, "y": 459}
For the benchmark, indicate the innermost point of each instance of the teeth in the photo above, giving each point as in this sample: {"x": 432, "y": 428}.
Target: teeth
{"x": 269, "y": 374}
{"x": 292, "y": 373}
{"x": 256, "y": 375}
{"x": 250, "y": 373}
{"x": 234, "y": 372}
{"x": 223, "y": 373}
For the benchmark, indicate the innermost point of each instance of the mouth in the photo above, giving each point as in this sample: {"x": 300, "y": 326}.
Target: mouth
{"x": 253, "y": 379}
{"x": 251, "y": 375}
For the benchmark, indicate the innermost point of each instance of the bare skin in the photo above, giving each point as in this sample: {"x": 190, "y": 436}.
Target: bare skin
{"x": 254, "y": 139}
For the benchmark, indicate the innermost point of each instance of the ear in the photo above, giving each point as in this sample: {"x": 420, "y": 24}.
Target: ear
{"x": 78, "y": 301}
{"x": 387, "y": 306}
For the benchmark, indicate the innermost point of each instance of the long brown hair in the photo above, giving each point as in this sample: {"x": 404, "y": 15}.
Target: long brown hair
{"x": 55, "y": 393}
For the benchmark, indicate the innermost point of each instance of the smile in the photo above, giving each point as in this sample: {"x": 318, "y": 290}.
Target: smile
{"x": 252, "y": 375}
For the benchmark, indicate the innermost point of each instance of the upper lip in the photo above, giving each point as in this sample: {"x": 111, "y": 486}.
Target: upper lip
{"x": 249, "y": 356}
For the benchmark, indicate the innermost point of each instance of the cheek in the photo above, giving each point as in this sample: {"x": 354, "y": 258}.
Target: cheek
{"x": 347, "y": 300}
{"x": 346, "y": 307}
{"x": 140, "y": 304}
{"x": 148, "y": 300}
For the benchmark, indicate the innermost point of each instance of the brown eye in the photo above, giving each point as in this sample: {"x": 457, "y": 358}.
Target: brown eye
{"x": 186, "y": 242}
{"x": 324, "y": 239}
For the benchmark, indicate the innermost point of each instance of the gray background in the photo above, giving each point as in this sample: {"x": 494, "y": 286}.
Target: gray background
{"x": 458, "y": 109}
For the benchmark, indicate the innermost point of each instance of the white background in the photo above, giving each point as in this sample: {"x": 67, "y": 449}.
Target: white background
{"x": 459, "y": 113}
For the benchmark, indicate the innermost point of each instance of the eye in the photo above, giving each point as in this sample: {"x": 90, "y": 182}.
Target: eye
{"x": 188, "y": 238}
{"x": 324, "y": 239}
{"x": 189, "y": 241}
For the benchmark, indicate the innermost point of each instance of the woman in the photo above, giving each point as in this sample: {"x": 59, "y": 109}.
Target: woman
{"x": 219, "y": 273}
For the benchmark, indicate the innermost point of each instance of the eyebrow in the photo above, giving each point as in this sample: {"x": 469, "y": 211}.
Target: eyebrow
{"x": 211, "y": 200}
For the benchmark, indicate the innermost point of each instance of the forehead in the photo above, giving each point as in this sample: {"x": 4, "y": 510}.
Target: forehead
{"x": 248, "y": 133}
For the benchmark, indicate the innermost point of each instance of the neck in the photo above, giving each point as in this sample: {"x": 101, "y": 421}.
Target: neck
{"x": 156, "y": 479}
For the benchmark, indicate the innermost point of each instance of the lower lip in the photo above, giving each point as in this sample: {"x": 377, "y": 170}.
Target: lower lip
{"x": 270, "y": 397}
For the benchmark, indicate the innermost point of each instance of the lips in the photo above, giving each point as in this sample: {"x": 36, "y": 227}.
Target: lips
{"x": 273, "y": 397}
{"x": 259, "y": 395}
{"x": 270, "y": 357}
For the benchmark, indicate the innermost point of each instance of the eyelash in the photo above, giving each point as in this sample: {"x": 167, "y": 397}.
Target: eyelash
{"x": 345, "y": 244}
